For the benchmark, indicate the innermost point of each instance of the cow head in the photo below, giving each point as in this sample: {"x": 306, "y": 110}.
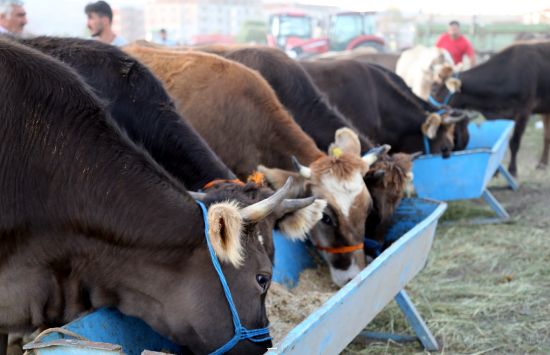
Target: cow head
{"x": 338, "y": 179}
{"x": 195, "y": 311}
{"x": 440, "y": 129}
{"x": 387, "y": 181}
{"x": 445, "y": 82}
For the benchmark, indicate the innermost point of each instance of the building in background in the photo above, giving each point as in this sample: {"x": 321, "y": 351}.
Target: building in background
{"x": 185, "y": 20}
{"x": 129, "y": 22}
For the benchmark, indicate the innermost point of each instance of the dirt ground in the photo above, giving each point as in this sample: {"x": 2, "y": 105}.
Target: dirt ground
{"x": 486, "y": 288}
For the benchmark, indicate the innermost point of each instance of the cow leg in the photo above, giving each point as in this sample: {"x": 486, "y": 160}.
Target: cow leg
{"x": 3, "y": 344}
{"x": 543, "y": 163}
{"x": 521, "y": 123}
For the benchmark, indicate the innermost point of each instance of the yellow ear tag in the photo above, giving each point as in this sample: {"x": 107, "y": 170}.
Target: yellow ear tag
{"x": 336, "y": 152}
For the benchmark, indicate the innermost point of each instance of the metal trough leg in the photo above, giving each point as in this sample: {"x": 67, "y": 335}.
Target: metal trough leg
{"x": 415, "y": 320}
{"x": 423, "y": 334}
{"x": 495, "y": 205}
{"x": 509, "y": 178}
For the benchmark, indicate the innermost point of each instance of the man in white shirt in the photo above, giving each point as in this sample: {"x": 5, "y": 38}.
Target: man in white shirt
{"x": 13, "y": 17}
{"x": 100, "y": 19}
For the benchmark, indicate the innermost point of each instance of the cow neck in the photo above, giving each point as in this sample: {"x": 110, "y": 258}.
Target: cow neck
{"x": 322, "y": 123}
{"x": 139, "y": 203}
{"x": 406, "y": 119}
{"x": 144, "y": 111}
{"x": 287, "y": 139}
{"x": 107, "y": 188}
{"x": 297, "y": 92}
{"x": 309, "y": 108}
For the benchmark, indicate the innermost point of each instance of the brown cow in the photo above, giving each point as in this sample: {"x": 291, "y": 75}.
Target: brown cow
{"x": 320, "y": 121}
{"x": 311, "y": 110}
{"x": 221, "y": 98}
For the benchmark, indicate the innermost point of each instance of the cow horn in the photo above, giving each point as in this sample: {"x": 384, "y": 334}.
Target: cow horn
{"x": 291, "y": 205}
{"x": 374, "y": 153}
{"x": 415, "y": 155}
{"x": 304, "y": 171}
{"x": 197, "y": 195}
{"x": 449, "y": 119}
{"x": 262, "y": 209}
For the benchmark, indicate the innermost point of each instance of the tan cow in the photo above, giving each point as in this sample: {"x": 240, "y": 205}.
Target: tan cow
{"x": 240, "y": 117}
{"x": 420, "y": 67}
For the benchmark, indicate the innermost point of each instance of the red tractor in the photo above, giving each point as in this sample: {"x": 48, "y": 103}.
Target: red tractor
{"x": 292, "y": 31}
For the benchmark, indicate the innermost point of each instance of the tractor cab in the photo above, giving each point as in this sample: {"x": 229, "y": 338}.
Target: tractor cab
{"x": 292, "y": 31}
{"x": 349, "y": 30}
{"x": 289, "y": 29}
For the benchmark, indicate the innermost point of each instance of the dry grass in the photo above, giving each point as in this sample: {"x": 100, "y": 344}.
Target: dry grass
{"x": 486, "y": 289}
{"x": 287, "y": 308}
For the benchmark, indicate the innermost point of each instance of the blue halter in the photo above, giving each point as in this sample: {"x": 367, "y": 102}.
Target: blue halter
{"x": 241, "y": 333}
{"x": 445, "y": 102}
{"x": 426, "y": 144}
{"x": 438, "y": 104}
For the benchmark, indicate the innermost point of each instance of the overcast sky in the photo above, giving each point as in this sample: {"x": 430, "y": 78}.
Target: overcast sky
{"x": 67, "y": 17}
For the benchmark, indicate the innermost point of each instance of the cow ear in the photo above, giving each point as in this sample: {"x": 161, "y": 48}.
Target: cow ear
{"x": 224, "y": 230}
{"x": 453, "y": 85}
{"x": 444, "y": 72}
{"x": 296, "y": 224}
{"x": 430, "y": 127}
{"x": 276, "y": 178}
{"x": 345, "y": 141}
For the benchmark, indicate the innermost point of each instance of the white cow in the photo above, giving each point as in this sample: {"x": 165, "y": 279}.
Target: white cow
{"x": 420, "y": 67}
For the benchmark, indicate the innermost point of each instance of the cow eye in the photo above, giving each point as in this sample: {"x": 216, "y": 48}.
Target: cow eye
{"x": 263, "y": 280}
{"x": 327, "y": 220}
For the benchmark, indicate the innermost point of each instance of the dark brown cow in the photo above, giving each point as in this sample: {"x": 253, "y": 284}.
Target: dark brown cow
{"x": 224, "y": 99}
{"x": 378, "y": 107}
{"x": 89, "y": 220}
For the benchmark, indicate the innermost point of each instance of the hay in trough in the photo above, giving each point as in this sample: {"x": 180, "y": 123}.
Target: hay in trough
{"x": 287, "y": 308}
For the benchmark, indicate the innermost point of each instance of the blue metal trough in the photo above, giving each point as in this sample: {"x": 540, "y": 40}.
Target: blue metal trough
{"x": 466, "y": 174}
{"x": 330, "y": 328}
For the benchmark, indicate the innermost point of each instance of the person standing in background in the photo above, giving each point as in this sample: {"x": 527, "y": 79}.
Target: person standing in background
{"x": 456, "y": 44}
{"x": 163, "y": 39}
{"x": 13, "y": 17}
{"x": 100, "y": 19}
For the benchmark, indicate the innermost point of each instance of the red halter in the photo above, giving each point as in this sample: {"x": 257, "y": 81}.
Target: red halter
{"x": 341, "y": 250}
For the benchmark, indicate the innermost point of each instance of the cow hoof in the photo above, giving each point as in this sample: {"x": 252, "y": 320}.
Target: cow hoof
{"x": 542, "y": 166}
